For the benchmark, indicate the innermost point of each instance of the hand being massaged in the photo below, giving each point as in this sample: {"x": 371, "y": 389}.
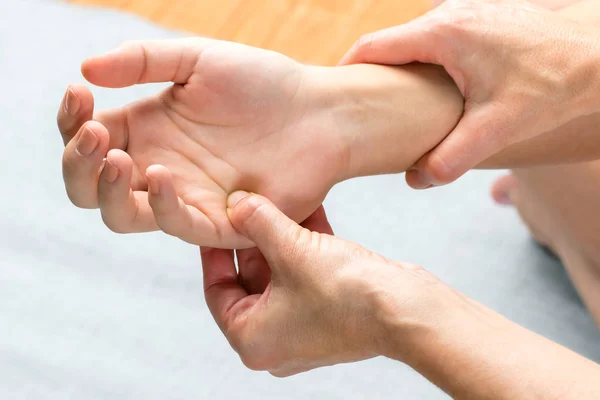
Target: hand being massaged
{"x": 236, "y": 118}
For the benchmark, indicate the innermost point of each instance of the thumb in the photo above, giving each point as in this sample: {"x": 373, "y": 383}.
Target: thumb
{"x": 260, "y": 221}
{"x": 476, "y": 137}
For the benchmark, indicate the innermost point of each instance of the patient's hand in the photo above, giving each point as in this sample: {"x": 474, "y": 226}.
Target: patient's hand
{"x": 235, "y": 118}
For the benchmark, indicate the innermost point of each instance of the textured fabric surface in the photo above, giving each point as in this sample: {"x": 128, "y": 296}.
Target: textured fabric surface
{"x": 87, "y": 314}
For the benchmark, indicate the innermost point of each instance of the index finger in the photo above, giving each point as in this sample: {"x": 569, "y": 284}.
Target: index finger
{"x": 398, "y": 45}
{"x": 222, "y": 289}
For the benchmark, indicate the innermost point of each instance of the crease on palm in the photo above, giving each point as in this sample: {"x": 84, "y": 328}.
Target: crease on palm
{"x": 220, "y": 127}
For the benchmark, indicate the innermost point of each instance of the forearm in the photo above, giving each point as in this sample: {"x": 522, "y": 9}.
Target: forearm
{"x": 388, "y": 117}
{"x": 472, "y": 352}
{"x": 391, "y": 116}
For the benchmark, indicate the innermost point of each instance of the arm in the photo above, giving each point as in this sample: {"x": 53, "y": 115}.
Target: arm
{"x": 391, "y": 116}
{"x": 543, "y": 84}
{"x": 473, "y": 352}
{"x": 350, "y": 304}
{"x": 388, "y": 117}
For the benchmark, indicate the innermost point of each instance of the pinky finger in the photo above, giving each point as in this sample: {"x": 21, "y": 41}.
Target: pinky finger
{"x": 171, "y": 213}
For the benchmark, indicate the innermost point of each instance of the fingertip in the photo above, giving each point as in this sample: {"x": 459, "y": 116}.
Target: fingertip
{"x": 356, "y": 53}
{"x": 120, "y": 159}
{"x": 98, "y": 129}
{"x": 241, "y": 206}
{"x": 504, "y": 190}
{"x": 108, "y": 70}
{"x": 415, "y": 179}
{"x": 159, "y": 172}
{"x": 76, "y": 107}
{"x": 159, "y": 178}
{"x": 81, "y": 91}
{"x": 91, "y": 69}
{"x": 118, "y": 164}
{"x": 433, "y": 170}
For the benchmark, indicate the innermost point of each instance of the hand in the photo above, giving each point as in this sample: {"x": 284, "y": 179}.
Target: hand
{"x": 236, "y": 117}
{"x": 305, "y": 299}
{"x": 523, "y": 71}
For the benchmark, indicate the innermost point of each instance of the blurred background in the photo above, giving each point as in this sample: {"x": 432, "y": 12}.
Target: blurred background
{"x": 312, "y": 31}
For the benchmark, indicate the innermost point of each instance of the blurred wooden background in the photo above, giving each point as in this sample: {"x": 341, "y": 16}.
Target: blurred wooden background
{"x": 312, "y": 31}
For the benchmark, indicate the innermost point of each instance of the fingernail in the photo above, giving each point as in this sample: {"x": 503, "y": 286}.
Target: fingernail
{"x": 72, "y": 103}
{"x": 111, "y": 173}
{"x": 153, "y": 185}
{"x": 87, "y": 142}
{"x": 236, "y": 197}
{"x": 419, "y": 180}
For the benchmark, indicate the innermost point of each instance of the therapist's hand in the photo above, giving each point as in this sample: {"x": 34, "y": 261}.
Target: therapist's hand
{"x": 305, "y": 299}
{"x": 523, "y": 70}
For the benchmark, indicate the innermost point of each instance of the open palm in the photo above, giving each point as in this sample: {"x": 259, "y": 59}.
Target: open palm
{"x": 236, "y": 117}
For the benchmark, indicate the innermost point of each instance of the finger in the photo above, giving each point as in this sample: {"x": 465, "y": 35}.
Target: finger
{"x": 77, "y": 108}
{"x": 474, "y": 139}
{"x": 123, "y": 210}
{"x": 260, "y": 221}
{"x": 414, "y": 41}
{"x": 317, "y": 222}
{"x": 171, "y": 213}
{"x": 254, "y": 271}
{"x": 504, "y": 190}
{"x": 144, "y": 62}
{"x": 82, "y": 162}
{"x": 222, "y": 290}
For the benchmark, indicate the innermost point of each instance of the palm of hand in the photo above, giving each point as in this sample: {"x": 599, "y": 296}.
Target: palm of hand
{"x": 240, "y": 115}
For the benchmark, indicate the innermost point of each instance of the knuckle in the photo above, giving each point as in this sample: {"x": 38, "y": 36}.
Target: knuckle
{"x": 301, "y": 240}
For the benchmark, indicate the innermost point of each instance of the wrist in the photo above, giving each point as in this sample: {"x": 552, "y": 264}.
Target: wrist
{"x": 427, "y": 324}
{"x": 385, "y": 118}
{"x": 415, "y": 333}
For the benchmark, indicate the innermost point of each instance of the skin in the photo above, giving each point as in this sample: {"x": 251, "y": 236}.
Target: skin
{"x": 557, "y": 202}
{"x": 559, "y": 205}
{"x": 396, "y": 310}
{"x": 326, "y": 124}
{"x": 496, "y": 114}
{"x": 233, "y": 118}
{"x": 416, "y": 328}
{"x": 305, "y": 299}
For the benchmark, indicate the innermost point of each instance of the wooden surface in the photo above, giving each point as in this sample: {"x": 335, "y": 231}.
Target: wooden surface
{"x": 313, "y": 31}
